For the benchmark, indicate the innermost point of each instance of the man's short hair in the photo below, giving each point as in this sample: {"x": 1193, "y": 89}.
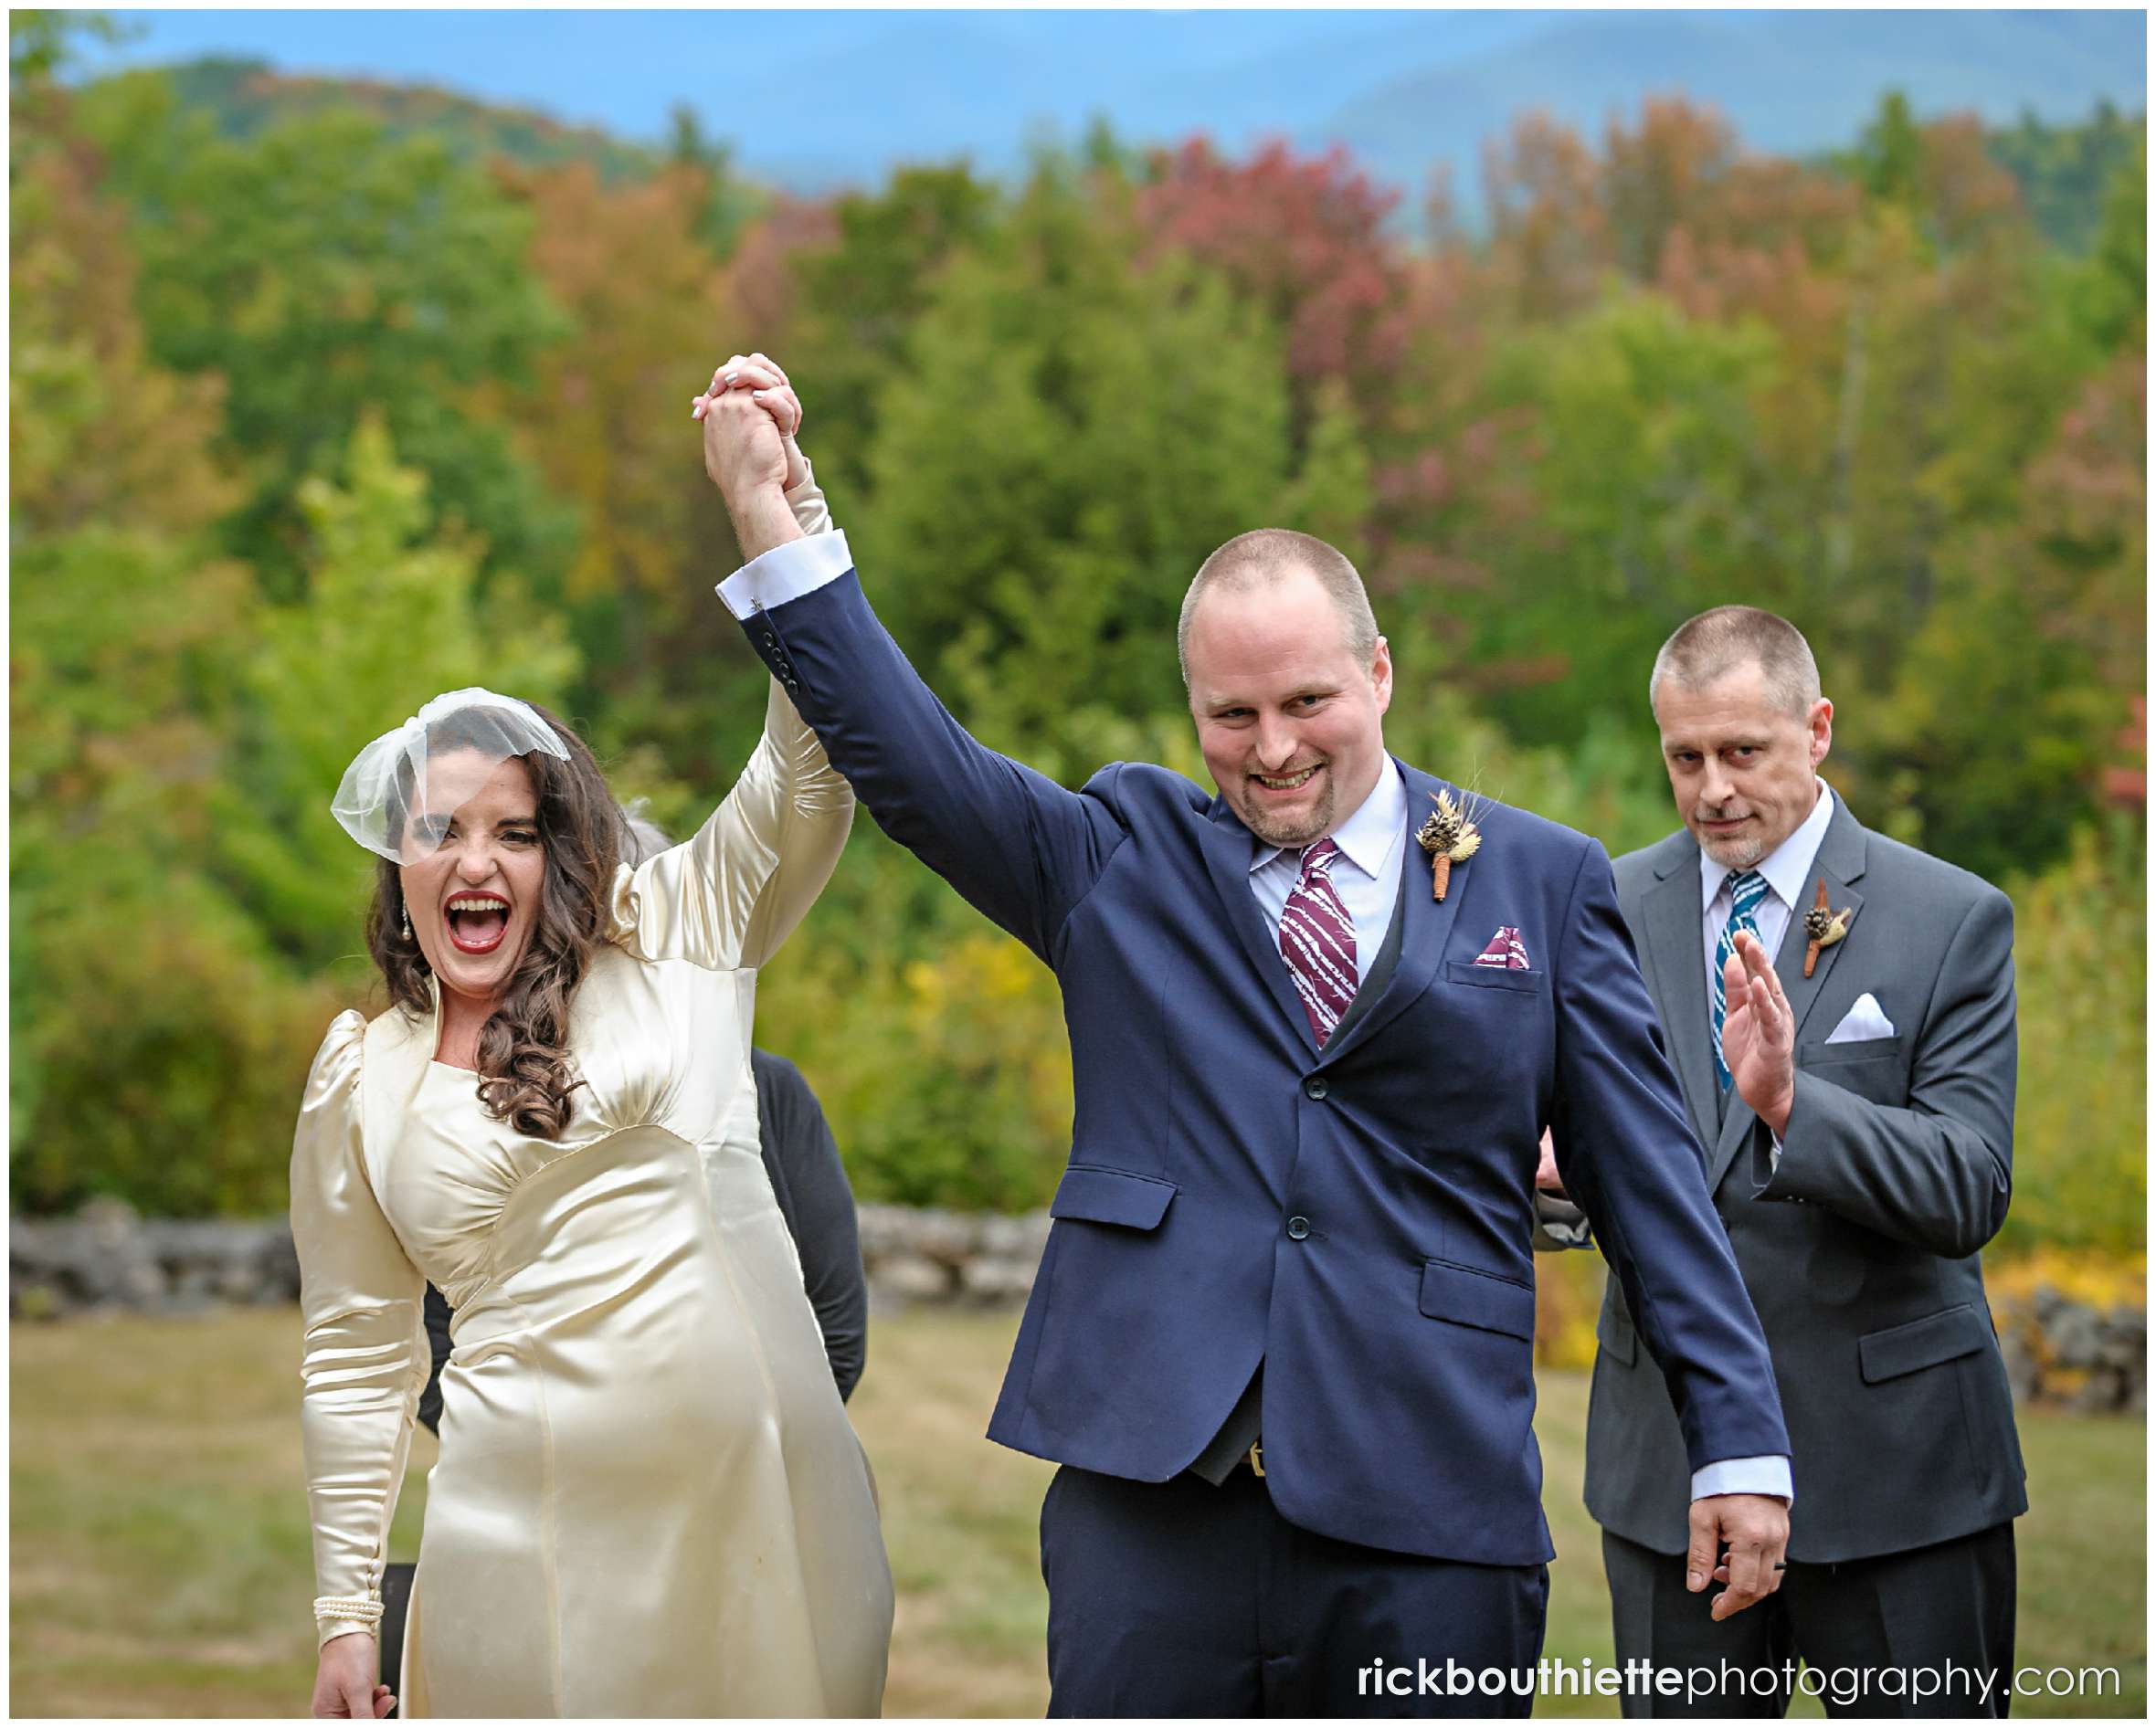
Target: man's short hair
{"x": 1266, "y": 555}
{"x": 1706, "y": 648}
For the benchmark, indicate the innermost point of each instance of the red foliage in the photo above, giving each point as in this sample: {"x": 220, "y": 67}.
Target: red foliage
{"x": 2129, "y": 785}
{"x": 761, "y": 282}
{"x": 1304, "y": 236}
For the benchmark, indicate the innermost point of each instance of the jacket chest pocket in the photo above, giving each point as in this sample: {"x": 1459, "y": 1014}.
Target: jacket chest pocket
{"x": 1508, "y": 980}
{"x": 1874, "y": 1069}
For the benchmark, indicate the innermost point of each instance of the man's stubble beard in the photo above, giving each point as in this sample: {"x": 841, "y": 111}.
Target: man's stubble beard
{"x": 1734, "y": 855}
{"x": 1299, "y": 833}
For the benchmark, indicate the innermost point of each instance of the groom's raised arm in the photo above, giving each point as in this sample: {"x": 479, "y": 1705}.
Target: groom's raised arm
{"x": 1019, "y": 846}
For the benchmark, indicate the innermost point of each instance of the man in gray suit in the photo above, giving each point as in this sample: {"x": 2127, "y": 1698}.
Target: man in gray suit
{"x": 1858, "y": 1101}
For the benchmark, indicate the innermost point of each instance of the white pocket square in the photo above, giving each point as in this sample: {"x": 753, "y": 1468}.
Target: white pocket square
{"x": 1866, "y": 1019}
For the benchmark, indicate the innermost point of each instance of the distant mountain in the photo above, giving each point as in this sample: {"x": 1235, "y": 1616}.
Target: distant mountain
{"x": 1790, "y": 83}
{"x": 818, "y": 98}
{"x": 861, "y": 92}
{"x": 245, "y": 96}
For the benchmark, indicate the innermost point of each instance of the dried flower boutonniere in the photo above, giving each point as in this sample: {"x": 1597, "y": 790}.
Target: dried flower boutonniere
{"x": 1824, "y": 928}
{"x": 1450, "y": 838}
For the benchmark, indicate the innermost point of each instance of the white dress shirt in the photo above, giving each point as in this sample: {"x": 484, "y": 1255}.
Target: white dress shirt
{"x": 1365, "y": 874}
{"x": 1371, "y": 842}
{"x": 1788, "y": 870}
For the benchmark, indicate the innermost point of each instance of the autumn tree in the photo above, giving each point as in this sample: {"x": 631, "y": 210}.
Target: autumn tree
{"x": 325, "y": 268}
{"x": 1304, "y": 239}
{"x": 1071, "y": 439}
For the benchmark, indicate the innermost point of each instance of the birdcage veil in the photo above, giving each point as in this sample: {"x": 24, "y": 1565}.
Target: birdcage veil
{"x": 397, "y": 796}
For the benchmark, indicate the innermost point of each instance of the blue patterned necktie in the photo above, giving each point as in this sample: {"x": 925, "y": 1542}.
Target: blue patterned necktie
{"x": 1746, "y": 891}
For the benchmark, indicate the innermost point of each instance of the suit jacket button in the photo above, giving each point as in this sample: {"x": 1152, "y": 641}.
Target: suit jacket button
{"x": 1298, "y": 1228}
{"x": 1314, "y": 1087}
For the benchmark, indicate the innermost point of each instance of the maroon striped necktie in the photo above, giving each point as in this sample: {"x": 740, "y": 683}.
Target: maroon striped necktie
{"x": 1318, "y": 941}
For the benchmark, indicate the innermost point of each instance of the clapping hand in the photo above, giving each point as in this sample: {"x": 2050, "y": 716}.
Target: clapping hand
{"x": 1759, "y": 1033}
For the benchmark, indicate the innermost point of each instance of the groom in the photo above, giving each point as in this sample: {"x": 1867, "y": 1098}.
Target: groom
{"x": 1282, "y": 1336}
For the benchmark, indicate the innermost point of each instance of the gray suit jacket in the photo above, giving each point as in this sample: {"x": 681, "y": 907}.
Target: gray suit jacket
{"x": 1860, "y": 1248}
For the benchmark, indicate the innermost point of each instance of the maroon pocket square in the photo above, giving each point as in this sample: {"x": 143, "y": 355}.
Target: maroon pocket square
{"x": 1505, "y": 951}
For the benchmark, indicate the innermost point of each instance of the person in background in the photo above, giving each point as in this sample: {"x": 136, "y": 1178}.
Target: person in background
{"x": 808, "y": 1179}
{"x": 1856, "y": 1098}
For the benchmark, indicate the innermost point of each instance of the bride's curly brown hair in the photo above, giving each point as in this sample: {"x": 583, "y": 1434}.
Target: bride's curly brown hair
{"x": 525, "y": 1075}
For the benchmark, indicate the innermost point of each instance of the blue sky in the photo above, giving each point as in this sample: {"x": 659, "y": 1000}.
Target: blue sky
{"x": 624, "y": 69}
{"x": 813, "y": 99}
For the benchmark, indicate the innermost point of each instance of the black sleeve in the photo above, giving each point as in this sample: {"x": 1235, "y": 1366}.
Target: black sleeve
{"x": 809, "y": 1181}
{"x": 437, "y": 1337}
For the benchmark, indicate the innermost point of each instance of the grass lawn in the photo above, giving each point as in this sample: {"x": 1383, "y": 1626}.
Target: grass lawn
{"x": 160, "y": 1556}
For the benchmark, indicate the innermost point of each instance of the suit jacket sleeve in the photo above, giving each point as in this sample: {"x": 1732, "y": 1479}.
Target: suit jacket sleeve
{"x": 809, "y": 1180}
{"x": 1625, "y": 1148}
{"x": 1019, "y": 847}
{"x": 1936, "y": 1171}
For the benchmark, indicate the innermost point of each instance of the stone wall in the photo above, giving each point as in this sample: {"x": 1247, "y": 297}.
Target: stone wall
{"x": 107, "y": 1258}
{"x": 2057, "y": 1350}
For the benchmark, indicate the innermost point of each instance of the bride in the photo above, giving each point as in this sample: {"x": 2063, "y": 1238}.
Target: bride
{"x": 648, "y": 1500}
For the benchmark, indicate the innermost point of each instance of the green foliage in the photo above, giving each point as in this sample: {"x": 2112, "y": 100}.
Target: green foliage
{"x": 1114, "y": 427}
{"x": 2081, "y": 1124}
{"x": 2110, "y": 292}
{"x": 727, "y": 203}
{"x": 40, "y": 44}
{"x": 1660, "y": 498}
{"x": 389, "y": 619}
{"x": 314, "y": 414}
{"x": 2066, "y": 173}
{"x": 246, "y": 97}
{"x": 324, "y": 269}
{"x": 860, "y": 294}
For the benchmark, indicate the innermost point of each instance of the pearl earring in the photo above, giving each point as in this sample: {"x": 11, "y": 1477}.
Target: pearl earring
{"x": 407, "y": 922}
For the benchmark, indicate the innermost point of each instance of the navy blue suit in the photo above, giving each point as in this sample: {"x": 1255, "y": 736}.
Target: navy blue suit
{"x": 1357, "y": 1218}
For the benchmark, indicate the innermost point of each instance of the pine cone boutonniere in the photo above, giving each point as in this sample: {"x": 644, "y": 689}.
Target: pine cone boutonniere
{"x": 1450, "y": 838}
{"x": 1823, "y": 927}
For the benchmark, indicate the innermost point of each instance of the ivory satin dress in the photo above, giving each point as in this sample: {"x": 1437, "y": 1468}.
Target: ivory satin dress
{"x": 648, "y": 1500}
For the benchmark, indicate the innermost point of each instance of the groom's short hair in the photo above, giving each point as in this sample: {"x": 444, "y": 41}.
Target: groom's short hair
{"x": 1266, "y": 555}
{"x": 1706, "y": 648}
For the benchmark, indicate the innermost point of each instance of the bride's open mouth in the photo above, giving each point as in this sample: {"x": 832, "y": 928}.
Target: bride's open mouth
{"x": 476, "y": 923}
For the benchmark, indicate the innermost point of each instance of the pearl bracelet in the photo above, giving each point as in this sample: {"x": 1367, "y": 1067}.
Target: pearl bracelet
{"x": 348, "y": 1607}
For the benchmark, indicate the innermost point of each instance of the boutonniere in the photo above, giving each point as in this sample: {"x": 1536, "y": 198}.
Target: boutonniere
{"x": 1449, "y": 838}
{"x": 1824, "y": 928}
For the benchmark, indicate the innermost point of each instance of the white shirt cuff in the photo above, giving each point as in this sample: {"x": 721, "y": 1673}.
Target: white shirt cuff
{"x": 786, "y": 573}
{"x": 1744, "y": 1476}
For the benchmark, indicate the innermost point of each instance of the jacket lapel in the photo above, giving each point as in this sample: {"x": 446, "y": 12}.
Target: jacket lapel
{"x": 1840, "y": 862}
{"x": 1671, "y": 924}
{"x": 1429, "y": 921}
{"x": 1226, "y": 844}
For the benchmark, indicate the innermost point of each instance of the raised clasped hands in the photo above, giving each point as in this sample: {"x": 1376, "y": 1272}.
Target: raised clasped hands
{"x": 1759, "y": 1033}
{"x": 751, "y": 420}
{"x": 1737, "y": 1539}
